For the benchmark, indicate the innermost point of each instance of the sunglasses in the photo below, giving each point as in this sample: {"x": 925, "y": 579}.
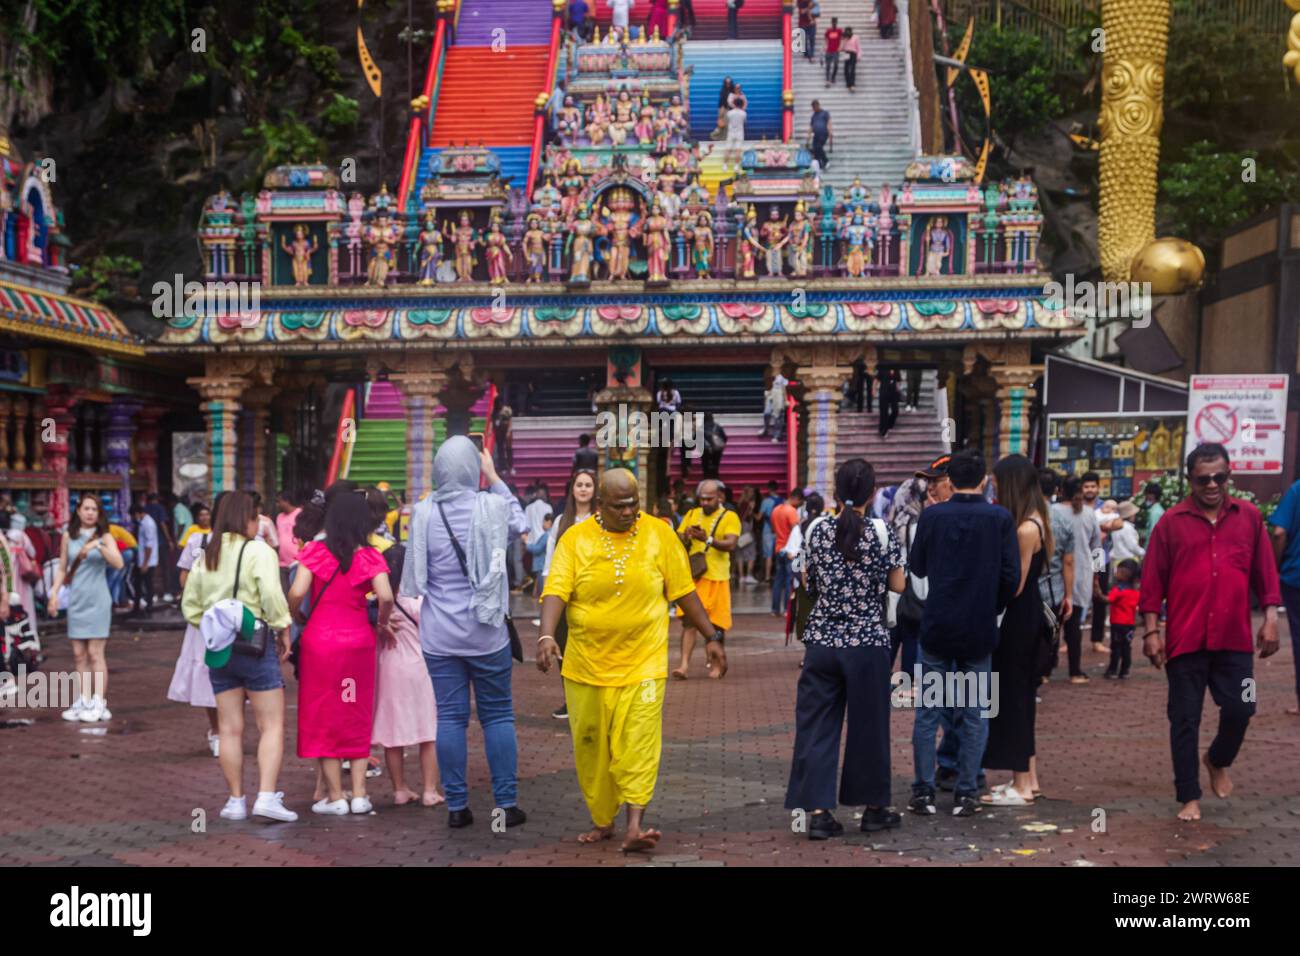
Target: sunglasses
{"x": 1204, "y": 481}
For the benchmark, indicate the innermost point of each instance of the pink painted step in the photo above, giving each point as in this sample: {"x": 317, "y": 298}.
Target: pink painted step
{"x": 748, "y": 460}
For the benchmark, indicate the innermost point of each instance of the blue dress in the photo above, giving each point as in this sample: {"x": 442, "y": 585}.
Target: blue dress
{"x": 90, "y": 606}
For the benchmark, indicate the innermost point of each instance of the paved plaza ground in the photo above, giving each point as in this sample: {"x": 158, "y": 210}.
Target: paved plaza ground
{"x": 78, "y": 795}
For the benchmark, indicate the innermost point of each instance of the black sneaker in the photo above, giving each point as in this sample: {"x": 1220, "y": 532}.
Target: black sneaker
{"x": 823, "y": 826}
{"x": 881, "y": 818}
{"x": 923, "y": 804}
{"x": 515, "y": 816}
{"x": 946, "y": 779}
{"x": 1110, "y": 675}
{"x": 459, "y": 818}
{"x": 561, "y": 713}
{"x": 966, "y": 806}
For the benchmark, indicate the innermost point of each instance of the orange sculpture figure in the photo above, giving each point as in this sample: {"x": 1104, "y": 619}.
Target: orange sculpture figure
{"x": 301, "y": 252}
{"x": 462, "y": 238}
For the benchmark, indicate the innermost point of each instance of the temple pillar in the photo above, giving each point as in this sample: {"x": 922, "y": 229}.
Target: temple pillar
{"x": 117, "y": 449}
{"x": 420, "y": 378}
{"x": 57, "y": 424}
{"x": 621, "y": 440}
{"x": 220, "y": 394}
{"x": 1015, "y": 396}
{"x": 146, "y": 445}
{"x": 6, "y": 412}
{"x": 254, "y": 460}
{"x": 19, "y": 451}
{"x": 821, "y": 400}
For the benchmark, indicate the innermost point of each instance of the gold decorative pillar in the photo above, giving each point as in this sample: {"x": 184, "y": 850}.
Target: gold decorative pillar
{"x": 6, "y": 411}
{"x": 20, "y": 433}
{"x": 1133, "y": 75}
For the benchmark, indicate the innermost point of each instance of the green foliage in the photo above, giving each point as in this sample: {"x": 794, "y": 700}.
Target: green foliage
{"x": 322, "y": 59}
{"x": 342, "y": 112}
{"x": 1021, "y": 79}
{"x": 1218, "y": 69}
{"x": 106, "y": 273}
{"x": 288, "y": 141}
{"x": 109, "y": 34}
{"x": 1203, "y": 193}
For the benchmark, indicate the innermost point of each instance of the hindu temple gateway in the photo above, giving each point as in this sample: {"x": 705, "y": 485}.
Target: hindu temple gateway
{"x": 574, "y": 271}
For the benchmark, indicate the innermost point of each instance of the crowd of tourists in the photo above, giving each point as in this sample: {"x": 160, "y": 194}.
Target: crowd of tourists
{"x": 976, "y": 579}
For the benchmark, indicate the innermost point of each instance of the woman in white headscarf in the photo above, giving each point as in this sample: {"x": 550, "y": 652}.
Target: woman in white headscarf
{"x": 456, "y": 561}
{"x": 20, "y": 544}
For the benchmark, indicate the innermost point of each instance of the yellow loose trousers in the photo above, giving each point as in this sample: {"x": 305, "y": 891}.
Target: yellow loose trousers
{"x": 617, "y": 739}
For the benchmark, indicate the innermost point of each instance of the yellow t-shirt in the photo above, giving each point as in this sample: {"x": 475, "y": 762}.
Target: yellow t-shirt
{"x": 719, "y": 562}
{"x": 618, "y": 639}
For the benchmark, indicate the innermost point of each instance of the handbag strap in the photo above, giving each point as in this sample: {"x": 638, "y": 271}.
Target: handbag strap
{"x": 406, "y": 614}
{"x": 76, "y": 562}
{"x": 234, "y": 592}
{"x": 714, "y": 530}
{"x": 455, "y": 542}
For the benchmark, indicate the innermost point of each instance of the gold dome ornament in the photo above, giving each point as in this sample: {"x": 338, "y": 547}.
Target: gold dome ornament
{"x": 1172, "y": 266}
{"x": 1291, "y": 59}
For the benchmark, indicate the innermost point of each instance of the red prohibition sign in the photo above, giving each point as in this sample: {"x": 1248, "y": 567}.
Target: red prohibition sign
{"x": 1216, "y": 423}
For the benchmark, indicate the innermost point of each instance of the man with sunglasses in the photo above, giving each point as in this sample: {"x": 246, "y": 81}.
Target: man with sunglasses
{"x": 1204, "y": 557}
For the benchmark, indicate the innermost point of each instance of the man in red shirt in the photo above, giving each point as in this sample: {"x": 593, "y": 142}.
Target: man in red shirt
{"x": 832, "y": 56}
{"x": 1204, "y": 557}
{"x": 784, "y": 517}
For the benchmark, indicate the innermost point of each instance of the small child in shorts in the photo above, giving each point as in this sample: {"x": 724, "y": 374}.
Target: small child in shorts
{"x": 1123, "y": 600}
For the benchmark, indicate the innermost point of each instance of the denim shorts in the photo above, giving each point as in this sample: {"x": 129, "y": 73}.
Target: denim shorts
{"x": 250, "y": 673}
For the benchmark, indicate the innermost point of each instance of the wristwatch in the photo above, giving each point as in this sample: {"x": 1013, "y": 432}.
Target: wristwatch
{"x": 709, "y": 540}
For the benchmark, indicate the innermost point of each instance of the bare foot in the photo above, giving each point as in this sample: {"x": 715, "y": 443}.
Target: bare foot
{"x": 402, "y": 797}
{"x": 1191, "y": 811}
{"x": 640, "y": 840}
{"x": 596, "y": 834}
{"x": 1220, "y": 782}
{"x": 715, "y": 672}
{"x": 1293, "y": 711}
{"x": 1098, "y": 647}
{"x": 679, "y": 673}
{"x": 432, "y": 798}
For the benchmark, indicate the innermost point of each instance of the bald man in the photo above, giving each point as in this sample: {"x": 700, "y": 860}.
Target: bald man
{"x": 615, "y": 577}
{"x": 710, "y": 530}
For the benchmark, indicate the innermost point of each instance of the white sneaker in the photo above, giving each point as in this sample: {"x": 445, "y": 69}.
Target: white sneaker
{"x": 271, "y": 806}
{"x": 336, "y": 808}
{"x": 235, "y": 809}
{"x": 96, "y": 711}
{"x": 361, "y": 805}
{"x": 74, "y": 712}
{"x": 537, "y": 622}
{"x": 214, "y": 743}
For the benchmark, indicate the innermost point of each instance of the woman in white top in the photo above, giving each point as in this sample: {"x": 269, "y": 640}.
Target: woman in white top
{"x": 579, "y": 504}
{"x": 736, "y": 117}
{"x": 1124, "y": 542}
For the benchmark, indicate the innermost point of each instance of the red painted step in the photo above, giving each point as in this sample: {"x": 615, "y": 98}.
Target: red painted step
{"x": 487, "y": 97}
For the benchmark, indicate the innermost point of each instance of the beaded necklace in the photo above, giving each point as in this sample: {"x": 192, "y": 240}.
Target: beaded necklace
{"x": 618, "y": 558}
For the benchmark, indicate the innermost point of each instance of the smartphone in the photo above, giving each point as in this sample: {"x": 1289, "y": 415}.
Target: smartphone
{"x": 477, "y": 439}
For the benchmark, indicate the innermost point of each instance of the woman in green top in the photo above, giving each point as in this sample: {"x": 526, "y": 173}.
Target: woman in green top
{"x": 234, "y": 553}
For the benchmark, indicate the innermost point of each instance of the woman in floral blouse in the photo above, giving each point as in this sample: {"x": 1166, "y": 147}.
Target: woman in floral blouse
{"x": 851, "y": 562}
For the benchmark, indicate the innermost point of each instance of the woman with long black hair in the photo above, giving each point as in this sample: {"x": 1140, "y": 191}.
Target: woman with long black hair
{"x": 1016, "y": 657}
{"x": 851, "y": 563}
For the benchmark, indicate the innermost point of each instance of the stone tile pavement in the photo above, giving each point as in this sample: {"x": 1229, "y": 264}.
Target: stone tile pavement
{"x": 131, "y": 796}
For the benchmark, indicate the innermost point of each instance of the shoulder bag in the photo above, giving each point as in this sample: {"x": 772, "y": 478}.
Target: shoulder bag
{"x": 699, "y": 559}
{"x": 1050, "y": 634}
{"x": 516, "y": 648}
{"x": 256, "y": 645}
{"x": 296, "y": 647}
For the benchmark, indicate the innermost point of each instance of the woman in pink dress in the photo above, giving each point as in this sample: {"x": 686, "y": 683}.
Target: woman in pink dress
{"x": 405, "y": 712}
{"x": 336, "y": 658}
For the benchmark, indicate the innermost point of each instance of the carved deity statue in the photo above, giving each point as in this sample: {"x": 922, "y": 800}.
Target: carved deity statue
{"x": 750, "y": 246}
{"x": 856, "y": 254}
{"x": 801, "y": 242}
{"x": 620, "y": 224}
{"x": 462, "y": 238}
{"x": 937, "y": 247}
{"x": 301, "y": 251}
{"x": 430, "y": 250}
{"x": 571, "y": 184}
{"x": 700, "y": 234}
{"x": 496, "y": 251}
{"x": 658, "y": 244}
{"x": 579, "y": 245}
{"x": 381, "y": 236}
{"x": 535, "y": 249}
{"x": 775, "y": 233}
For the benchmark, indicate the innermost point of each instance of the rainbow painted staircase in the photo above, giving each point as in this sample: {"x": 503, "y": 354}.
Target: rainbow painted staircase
{"x": 489, "y": 80}
{"x": 759, "y": 19}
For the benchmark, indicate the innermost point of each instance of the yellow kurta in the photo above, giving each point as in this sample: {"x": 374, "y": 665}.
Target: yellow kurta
{"x": 616, "y": 659}
{"x": 714, "y": 588}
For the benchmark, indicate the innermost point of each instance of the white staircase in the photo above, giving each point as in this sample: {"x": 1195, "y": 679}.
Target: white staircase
{"x": 874, "y": 127}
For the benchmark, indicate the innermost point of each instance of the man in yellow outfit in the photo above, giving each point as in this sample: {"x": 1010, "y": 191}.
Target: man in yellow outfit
{"x": 614, "y": 576}
{"x": 713, "y": 531}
